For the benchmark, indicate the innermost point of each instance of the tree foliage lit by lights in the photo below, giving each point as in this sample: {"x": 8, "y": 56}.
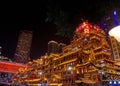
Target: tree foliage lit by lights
{"x": 66, "y": 16}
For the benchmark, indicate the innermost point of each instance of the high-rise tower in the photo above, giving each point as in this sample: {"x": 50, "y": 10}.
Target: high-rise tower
{"x": 55, "y": 47}
{"x": 52, "y": 47}
{"x": 60, "y": 47}
{"x": 22, "y": 54}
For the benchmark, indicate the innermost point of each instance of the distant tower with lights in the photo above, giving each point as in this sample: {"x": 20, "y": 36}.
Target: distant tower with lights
{"x": 22, "y": 54}
{"x": 60, "y": 47}
{"x": 55, "y": 47}
{"x": 52, "y": 47}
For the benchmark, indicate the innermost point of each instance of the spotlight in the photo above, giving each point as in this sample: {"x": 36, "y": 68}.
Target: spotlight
{"x": 114, "y": 82}
{"x": 110, "y": 82}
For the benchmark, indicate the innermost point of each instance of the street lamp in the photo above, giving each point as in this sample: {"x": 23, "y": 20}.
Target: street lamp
{"x": 40, "y": 73}
{"x": 71, "y": 71}
{"x": 69, "y": 68}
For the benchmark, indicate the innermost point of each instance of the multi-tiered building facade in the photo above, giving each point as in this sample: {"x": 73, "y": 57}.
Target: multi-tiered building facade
{"x": 115, "y": 47}
{"x": 86, "y": 60}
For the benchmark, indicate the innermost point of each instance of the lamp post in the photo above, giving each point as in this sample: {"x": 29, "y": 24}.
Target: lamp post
{"x": 70, "y": 68}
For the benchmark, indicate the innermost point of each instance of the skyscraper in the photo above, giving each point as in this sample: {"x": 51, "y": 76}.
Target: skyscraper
{"x": 60, "y": 47}
{"x": 55, "y": 47}
{"x": 22, "y": 54}
{"x": 52, "y": 47}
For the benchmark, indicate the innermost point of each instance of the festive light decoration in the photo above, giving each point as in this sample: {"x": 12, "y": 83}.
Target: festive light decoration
{"x": 11, "y": 67}
{"x": 86, "y": 27}
{"x": 87, "y": 54}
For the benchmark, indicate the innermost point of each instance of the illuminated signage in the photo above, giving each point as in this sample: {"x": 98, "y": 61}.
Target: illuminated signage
{"x": 10, "y": 67}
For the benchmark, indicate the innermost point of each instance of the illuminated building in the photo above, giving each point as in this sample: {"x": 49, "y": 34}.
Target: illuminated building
{"x": 22, "y": 54}
{"x": 85, "y": 61}
{"x": 55, "y": 47}
{"x": 8, "y": 70}
{"x": 52, "y": 47}
{"x": 60, "y": 47}
{"x": 3, "y": 58}
{"x": 115, "y": 46}
{"x": 31, "y": 75}
{"x": 115, "y": 42}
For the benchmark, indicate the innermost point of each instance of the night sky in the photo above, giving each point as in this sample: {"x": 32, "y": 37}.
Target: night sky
{"x": 30, "y": 16}
{"x": 26, "y": 17}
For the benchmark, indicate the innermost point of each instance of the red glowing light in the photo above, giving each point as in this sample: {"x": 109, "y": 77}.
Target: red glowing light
{"x": 86, "y": 30}
{"x": 97, "y": 78}
{"x": 86, "y": 27}
{"x": 10, "y": 67}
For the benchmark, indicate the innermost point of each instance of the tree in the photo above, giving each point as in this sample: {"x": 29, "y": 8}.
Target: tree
{"x": 67, "y": 16}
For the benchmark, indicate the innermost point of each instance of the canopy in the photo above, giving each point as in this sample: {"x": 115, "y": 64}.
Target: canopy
{"x": 115, "y": 32}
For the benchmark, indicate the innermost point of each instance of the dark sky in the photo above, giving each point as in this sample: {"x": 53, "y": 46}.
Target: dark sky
{"x": 28, "y": 17}
{"x": 31, "y": 16}
{"x": 42, "y": 34}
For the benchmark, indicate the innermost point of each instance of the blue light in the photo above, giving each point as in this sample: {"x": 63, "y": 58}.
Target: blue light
{"x": 115, "y": 82}
{"x": 115, "y": 13}
{"x": 110, "y": 82}
{"x": 118, "y": 82}
{"x": 115, "y": 18}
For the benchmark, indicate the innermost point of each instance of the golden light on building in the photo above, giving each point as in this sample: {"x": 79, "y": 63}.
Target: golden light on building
{"x": 86, "y": 59}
